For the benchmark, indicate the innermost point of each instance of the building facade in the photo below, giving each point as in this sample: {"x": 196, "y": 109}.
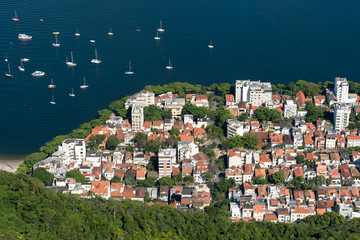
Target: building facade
{"x": 341, "y": 90}
{"x": 187, "y": 149}
{"x": 234, "y": 127}
{"x": 290, "y": 109}
{"x": 74, "y": 148}
{"x": 341, "y": 116}
{"x": 137, "y": 117}
{"x": 253, "y": 92}
{"x": 143, "y": 99}
{"x": 166, "y": 158}
{"x": 175, "y": 105}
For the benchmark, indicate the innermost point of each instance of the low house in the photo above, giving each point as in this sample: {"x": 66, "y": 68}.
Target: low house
{"x": 300, "y": 213}
{"x": 101, "y": 188}
{"x": 283, "y": 215}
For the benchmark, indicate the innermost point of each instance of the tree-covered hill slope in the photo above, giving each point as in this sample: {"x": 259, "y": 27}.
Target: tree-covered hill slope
{"x": 30, "y": 211}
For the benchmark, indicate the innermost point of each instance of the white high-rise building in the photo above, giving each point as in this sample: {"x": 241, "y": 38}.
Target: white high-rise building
{"x": 341, "y": 116}
{"x": 166, "y": 158}
{"x": 137, "y": 117}
{"x": 186, "y": 150}
{"x": 175, "y": 105}
{"x": 234, "y": 127}
{"x": 75, "y": 149}
{"x": 143, "y": 99}
{"x": 290, "y": 109}
{"x": 253, "y": 92}
{"x": 341, "y": 90}
{"x": 188, "y": 118}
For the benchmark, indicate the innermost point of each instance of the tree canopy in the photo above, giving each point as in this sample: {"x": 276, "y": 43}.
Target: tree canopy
{"x": 248, "y": 141}
{"x": 266, "y": 114}
{"x": 222, "y": 116}
{"x": 30, "y": 211}
{"x": 43, "y": 175}
{"x": 112, "y": 142}
{"x": 313, "y": 113}
{"x": 197, "y": 112}
{"x": 75, "y": 174}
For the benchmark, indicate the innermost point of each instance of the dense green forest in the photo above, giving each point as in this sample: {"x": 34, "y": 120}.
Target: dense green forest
{"x": 30, "y": 211}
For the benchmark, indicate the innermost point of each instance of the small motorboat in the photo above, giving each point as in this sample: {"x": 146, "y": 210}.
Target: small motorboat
{"x": 24, "y": 37}
{"x": 38, "y": 74}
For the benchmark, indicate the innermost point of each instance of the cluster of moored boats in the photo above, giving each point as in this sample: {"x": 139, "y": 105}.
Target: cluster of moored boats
{"x": 71, "y": 63}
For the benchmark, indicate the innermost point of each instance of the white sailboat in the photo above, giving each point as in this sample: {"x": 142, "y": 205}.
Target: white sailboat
{"x": 169, "y": 66}
{"x": 6, "y": 59}
{"x": 21, "y": 67}
{"x": 52, "y": 85}
{"x": 56, "y": 44}
{"x": 110, "y": 33}
{"x": 72, "y": 93}
{"x": 160, "y": 29}
{"x": 15, "y": 18}
{"x": 52, "y": 99}
{"x": 95, "y": 60}
{"x": 157, "y": 36}
{"x": 77, "y": 32}
{"x": 210, "y": 44}
{"x": 71, "y": 63}
{"x": 130, "y": 72}
{"x": 84, "y": 85}
{"x": 8, "y": 74}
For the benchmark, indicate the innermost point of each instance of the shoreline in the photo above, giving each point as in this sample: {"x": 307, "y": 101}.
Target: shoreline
{"x": 10, "y": 163}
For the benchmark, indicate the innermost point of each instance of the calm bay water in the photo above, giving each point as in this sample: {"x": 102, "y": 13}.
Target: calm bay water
{"x": 277, "y": 41}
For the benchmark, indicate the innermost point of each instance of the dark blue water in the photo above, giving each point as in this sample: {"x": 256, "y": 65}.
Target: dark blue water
{"x": 277, "y": 41}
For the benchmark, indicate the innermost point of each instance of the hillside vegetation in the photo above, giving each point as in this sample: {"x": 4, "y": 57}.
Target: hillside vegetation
{"x": 30, "y": 211}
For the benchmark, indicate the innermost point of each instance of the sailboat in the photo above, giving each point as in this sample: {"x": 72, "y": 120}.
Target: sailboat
{"x": 52, "y": 85}
{"x": 138, "y": 29}
{"x": 15, "y": 18}
{"x": 77, "y": 32}
{"x": 169, "y": 66}
{"x": 130, "y": 72}
{"x": 157, "y": 36}
{"x": 71, "y": 63}
{"x": 8, "y": 74}
{"x": 72, "y": 93}
{"x": 21, "y": 67}
{"x": 56, "y": 44}
{"x": 95, "y": 60}
{"x": 160, "y": 29}
{"x": 84, "y": 85}
{"x": 210, "y": 44}
{"x": 6, "y": 59}
{"x": 52, "y": 99}
{"x": 110, "y": 33}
